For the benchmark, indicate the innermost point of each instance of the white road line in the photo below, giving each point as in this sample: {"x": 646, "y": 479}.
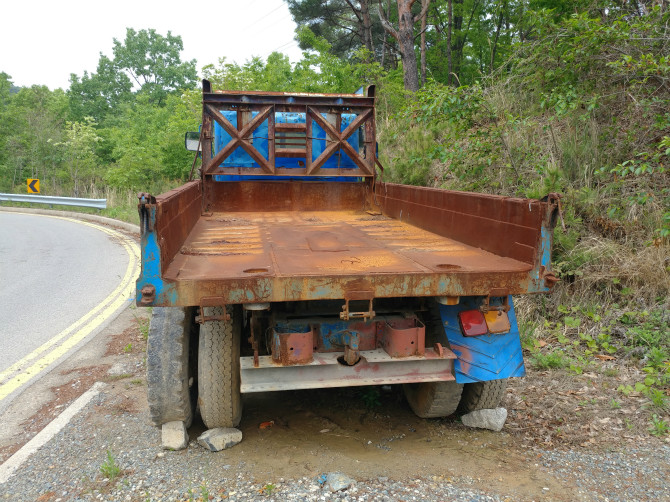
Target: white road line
{"x": 46, "y": 434}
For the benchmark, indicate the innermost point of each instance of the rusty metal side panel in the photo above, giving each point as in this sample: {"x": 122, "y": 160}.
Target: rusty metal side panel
{"x": 267, "y": 196}
{"x": 165, "y": 222}
{"x": 177, "y": 211}
{"x": 268, "y": 288}
{"x": 501, "y": 225}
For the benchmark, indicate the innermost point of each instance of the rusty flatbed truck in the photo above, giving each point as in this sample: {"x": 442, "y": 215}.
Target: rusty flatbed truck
{"x": 290, "y": 265}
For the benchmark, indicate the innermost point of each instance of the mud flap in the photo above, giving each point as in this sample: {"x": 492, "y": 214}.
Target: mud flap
{"x": 485, "y": 357}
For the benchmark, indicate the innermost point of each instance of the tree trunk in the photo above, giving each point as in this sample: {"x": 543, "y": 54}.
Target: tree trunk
{"x": 497, "y": 36}
{"x": 367, "y": 26}
{"x": 406, "y": 41}
{"x": 424, "y": 18}
{"x": 405, "y": 37}
{"x": 450, "y": 14}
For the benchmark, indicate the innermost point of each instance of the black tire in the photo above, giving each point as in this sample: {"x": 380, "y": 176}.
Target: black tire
{"x": 169, "y": 370}
{"x": 433, "y": 399}
{"x": 482, "y": 395}
{"x": 219, "y": 370}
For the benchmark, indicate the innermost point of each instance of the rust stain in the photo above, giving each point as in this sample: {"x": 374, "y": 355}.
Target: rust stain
{"x": 293, "y": 348}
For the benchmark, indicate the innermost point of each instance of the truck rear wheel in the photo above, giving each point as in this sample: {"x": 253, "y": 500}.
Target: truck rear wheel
{"x": 170, "y": 370}
{"x": 219, "y": 370}
{"x": 482, "y": 395}
{"x": 433, "y": 399}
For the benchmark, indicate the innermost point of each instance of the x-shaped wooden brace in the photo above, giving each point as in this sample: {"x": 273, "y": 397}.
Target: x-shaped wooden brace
{"x": 238, "y": 138}
{"x": 339, "y": 141}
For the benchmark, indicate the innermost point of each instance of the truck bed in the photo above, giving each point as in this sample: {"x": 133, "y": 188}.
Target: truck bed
{"x": 329, "y": 241}
{"x": 323, "y": 244}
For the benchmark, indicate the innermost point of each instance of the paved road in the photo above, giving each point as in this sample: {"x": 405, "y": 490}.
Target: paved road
{"x": 53, "y": 271}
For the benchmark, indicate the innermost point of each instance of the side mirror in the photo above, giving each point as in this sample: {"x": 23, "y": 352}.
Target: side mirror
{"x": 192, "y": 142}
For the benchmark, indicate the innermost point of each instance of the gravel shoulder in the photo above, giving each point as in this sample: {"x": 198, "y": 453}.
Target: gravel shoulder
{"x": 368, "y": 435}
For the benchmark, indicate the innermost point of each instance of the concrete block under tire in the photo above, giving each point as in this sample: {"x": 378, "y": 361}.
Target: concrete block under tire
{"x": 492, "y": 419}
{"x": 174, "y": 435}
{"x": 220, "y": 438}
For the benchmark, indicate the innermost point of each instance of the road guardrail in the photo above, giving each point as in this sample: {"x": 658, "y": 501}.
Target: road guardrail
{"x": 53, "y": 200}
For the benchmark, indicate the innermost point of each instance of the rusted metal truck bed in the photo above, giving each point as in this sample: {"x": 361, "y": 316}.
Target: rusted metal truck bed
{"x": 325, "y": 245}
{"x": 397, "y": 241}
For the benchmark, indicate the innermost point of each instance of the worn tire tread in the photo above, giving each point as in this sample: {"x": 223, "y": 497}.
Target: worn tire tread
{"x": 219, "y": 371}
{"x": 482, "y": 395}
{"x": 433, "y": 399}
{"x": 168, "y": 391}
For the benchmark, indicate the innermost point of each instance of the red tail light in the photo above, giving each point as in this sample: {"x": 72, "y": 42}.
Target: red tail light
{"x": 473, "y": 323}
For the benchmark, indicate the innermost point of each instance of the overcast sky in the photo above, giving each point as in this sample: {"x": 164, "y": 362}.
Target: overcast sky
{"x": 43, "y": 42}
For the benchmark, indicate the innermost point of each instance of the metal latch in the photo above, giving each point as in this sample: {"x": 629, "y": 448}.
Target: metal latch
{"x": 345, "y": 315}
{"x": 211, "y": 301}
{"x": 147, "y": 201}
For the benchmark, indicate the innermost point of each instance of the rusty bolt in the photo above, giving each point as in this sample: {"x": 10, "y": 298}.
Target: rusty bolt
{"x": 148, "y": 294}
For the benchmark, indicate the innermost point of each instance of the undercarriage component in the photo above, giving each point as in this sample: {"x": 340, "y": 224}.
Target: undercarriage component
{"x": 326, "y": 370}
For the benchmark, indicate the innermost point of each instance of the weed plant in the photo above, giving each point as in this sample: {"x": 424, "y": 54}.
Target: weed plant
{"x": 109, "y": 468}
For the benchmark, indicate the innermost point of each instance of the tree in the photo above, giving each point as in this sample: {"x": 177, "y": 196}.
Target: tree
{"x": 30, "y": 125}
{"x": 79, "y": 153}
{"x": 345, "y": 24}
{"x": 99, "y": 94}
{"x": 153, "y": 63}
{"x": 6, "y": 86}
{"x": 404, "y": 34}
{"x": 146, "y": 61}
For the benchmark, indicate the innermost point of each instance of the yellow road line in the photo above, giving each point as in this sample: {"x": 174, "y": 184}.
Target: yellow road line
{"x": 112, "y": 302}
{"x": 133, "y": 252}
{"x": 129, "y": 273}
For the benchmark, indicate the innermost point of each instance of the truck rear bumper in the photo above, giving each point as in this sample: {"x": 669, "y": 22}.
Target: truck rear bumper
{"x": 376, "y": 367}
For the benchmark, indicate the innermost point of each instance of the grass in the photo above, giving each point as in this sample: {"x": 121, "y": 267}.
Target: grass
{"x": 114, "y": 378}
{"x": 109, "y": 468}
{"x": 143, "y": 325}
{"x": 552, "y": 360}
{"x": 659, "y": 427}
{"x": 121, "y": 203}
{"x": 268, "y": 489}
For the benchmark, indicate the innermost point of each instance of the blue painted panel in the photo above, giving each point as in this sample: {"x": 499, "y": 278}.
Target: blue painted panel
{"x": 240, "y": 158}
{"x": 150, "y": 274}
{"x": 486, "y": 357}
{"x": 331, "y": 334}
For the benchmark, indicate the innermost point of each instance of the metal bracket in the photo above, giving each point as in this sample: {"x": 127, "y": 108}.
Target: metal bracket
{"x": 253, "y": 329}
{"x": 345, "y": 315}
{"x": 549, "y": 277}
{"x": 144, "y": 207}
{"x": 212, "y": 301}
{"x": 487, "y": 307}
